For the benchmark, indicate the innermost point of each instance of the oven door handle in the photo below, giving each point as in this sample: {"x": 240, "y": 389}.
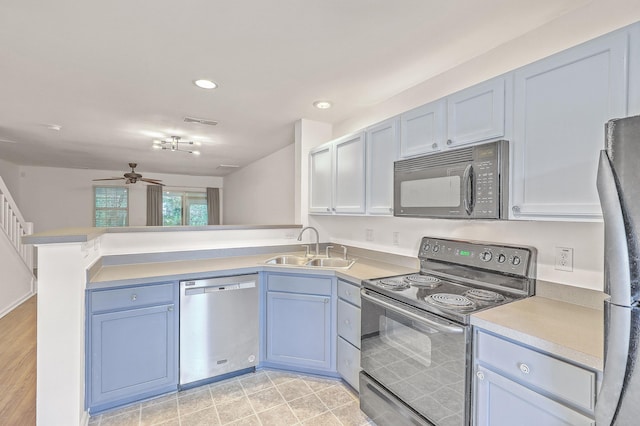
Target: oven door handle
{"x": 428, "y": 322}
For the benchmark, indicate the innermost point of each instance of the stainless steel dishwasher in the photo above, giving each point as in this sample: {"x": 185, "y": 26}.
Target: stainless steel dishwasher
{"x": 218, "y": 327}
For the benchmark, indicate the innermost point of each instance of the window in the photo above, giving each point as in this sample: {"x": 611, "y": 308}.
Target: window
{"x": 184, "y": 208}
{"x": 111, "y": 206}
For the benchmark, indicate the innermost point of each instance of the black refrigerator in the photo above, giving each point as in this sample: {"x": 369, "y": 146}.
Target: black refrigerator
{"x": 619, "y": 190}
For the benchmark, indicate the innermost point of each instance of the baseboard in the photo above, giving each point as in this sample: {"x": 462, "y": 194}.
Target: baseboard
{"x": 16, "y": 304}
{"x": 84, "y": 421}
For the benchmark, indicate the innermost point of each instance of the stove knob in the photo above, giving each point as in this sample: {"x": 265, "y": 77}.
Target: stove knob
{"x": 515, "y": 261}
{"x": 486, "y": 256}
{"x": 436, "y": 248}
{"x": 501, "y": 258}
{"x": 426, "y": 247}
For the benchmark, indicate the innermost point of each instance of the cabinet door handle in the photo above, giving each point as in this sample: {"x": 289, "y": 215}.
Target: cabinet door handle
{"x": 326, "y": 300}
{"x": 449, "y": 141}
{"x": 480, "y": 375}
{"x": 328, "y": 209}
{"x": 134, "y": 297}
{"x": 524, "y": 368}
{"x": 170, "y": 308}
{"x": 516, "y": 210}
{"x": 390, "y": 209}
{"x": 434, "y": 146}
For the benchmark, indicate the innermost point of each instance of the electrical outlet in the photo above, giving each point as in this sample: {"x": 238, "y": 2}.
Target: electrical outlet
{"x": 564, "y": 259}
{"x": 369, "y": 233}
{"x": 396, "y": 238}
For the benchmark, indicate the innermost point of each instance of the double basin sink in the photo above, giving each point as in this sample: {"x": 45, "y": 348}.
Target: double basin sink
{"x": 319, "y": 262}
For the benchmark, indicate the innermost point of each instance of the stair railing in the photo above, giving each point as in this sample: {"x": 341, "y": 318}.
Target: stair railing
{"x": 14, "y": 225}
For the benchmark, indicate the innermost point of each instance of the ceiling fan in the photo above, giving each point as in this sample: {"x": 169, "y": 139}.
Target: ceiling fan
{"x": 133, "y": 177}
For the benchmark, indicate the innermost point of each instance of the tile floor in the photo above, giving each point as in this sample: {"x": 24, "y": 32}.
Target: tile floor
{"x": 267, "y": 398}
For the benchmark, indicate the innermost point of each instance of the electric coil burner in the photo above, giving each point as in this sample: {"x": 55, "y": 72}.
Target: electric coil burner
{"x": 485, "y": 295}
{"x": 425, "y": 281}
{"x": 394, "y": 285}
{"x": 450, "y": 301}
{"x": 416, "y": 339}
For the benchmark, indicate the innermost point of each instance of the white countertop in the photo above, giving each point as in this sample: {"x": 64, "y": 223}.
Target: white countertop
{"x": 569, "y": 331}
{"x": 362, "y": 269}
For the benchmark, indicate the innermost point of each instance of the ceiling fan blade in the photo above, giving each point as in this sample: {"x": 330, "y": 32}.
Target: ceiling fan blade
{"x": 113, "y": 178}
{"x": 153, "y": 181}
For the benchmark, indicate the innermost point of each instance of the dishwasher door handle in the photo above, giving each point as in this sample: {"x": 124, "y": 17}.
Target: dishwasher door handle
{"x": 218, "y": 288}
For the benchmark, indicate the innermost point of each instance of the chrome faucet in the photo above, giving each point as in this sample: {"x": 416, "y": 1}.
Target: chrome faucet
{"x": 317, "y": 237}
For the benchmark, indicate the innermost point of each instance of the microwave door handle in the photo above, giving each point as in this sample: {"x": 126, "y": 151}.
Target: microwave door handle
{"x": 468, "y": 183}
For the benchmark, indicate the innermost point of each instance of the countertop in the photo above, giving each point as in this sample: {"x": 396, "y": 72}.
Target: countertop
{"x": 114, "y": 275}
{"x": 82, "y": 235}
{"x": 570, "y": 331}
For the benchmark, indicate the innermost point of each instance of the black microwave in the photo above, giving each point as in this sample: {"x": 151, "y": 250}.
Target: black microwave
{"x": 463, "y": 183}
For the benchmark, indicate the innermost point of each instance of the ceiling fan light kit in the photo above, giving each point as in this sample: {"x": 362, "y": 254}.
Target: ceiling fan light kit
{"x": 175, "y": 144}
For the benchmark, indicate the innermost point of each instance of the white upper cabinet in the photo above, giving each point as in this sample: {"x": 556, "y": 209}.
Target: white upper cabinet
{"x": 561, "y": 105}
{"x": 471, "y": 115}
{"x": 349, "y": 167}
{"x": 423, "y": 129}
{"x": 382, "y": 150}
{"x": 337, "y": 176}
{"x": 321, "y": 179}
{"x": 477, "y": 113}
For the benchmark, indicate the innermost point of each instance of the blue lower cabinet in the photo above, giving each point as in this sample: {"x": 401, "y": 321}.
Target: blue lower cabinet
{"x": 132, "y": 353}
{"x": 503, "y": 402}
{"x": 300, "y": 326}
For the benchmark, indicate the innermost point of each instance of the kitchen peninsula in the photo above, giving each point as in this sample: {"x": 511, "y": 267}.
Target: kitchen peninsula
{"x": 73, "y": 260}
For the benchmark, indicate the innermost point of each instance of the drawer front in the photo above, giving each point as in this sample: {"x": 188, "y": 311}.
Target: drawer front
{"x": 348, "y": 362}
{"x": 132, "y": 297}
{"x": 349, "y": 323}
{"x": 349, "y": 292}
{"x": 567, "y": 381}
{"x": 298, "y": 284}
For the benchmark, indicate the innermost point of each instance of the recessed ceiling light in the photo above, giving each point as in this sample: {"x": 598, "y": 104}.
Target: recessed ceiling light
{"x": 322, "y": 104}
{"x": 55, "y": 127}
{"x": 205, "y": 84}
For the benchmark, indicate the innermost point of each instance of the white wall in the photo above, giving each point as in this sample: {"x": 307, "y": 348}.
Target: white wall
{"x": 54, "y": 198}
{"x": 597, "y": 18}
{"x": 262, "y": 192}
{"x": 16, "y": 283}
{"x": 10, "y": 174}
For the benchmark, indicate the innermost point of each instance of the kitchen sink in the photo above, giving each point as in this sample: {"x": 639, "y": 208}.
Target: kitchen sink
{"x": 287, "y": 259}
{"x": 318, "y": 262}
{"x": 331, "y": 262}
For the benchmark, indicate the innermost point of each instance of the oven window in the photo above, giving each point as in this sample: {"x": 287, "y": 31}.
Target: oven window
{"x": 408, "y": 341}
{"x": 434, "y": 192}
{"x": 424, "y": 367}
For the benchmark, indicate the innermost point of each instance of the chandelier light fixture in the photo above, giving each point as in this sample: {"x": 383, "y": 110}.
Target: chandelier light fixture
{"x": 173, "y": 143}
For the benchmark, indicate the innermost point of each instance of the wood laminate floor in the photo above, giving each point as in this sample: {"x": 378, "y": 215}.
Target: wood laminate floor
{"x": 18, "y": 365}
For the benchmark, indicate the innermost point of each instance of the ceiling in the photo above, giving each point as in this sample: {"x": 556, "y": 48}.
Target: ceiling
{"x": 114, "y": 73}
